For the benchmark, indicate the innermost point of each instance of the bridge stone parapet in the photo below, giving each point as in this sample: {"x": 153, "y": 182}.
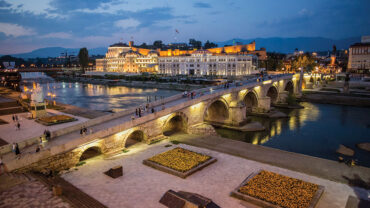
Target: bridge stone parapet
{"x": 118, "y": 131}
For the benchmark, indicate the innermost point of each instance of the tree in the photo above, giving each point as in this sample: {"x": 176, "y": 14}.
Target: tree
{"x": 158, "y": 44}
{"x": 143, "y": 45}
{"x": 209, "y": 45}
{"x": 83, "y": 57}
{"x": 195, "y": 43}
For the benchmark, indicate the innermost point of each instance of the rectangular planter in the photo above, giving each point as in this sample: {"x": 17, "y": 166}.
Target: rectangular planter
{"x": 235, "y": 193}
{"x": 178, "y": 173}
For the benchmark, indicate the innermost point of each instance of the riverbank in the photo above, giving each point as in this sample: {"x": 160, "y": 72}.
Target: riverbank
{"x": 319, "y": 167}
{"x": 361, "y": 100}
{"x": 140, "y": 84}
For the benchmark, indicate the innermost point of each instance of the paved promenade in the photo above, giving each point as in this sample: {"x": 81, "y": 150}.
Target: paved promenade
{"x": 142, "y": 186}
{"x": 323, "y": 168}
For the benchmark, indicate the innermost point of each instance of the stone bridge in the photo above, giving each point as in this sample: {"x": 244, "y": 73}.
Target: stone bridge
{"x": 117, "y": 131}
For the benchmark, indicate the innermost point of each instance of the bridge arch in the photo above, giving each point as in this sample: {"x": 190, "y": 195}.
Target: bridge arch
{"x": 177, "y": 122}
{"x": 217, "y": 111}
{"x": 90, "y": 152}
{"x": 133, "y": 137}
{"x": 289, "y": 87}
{"x": 250, "y": 100}
{"x": 273, "y": 93}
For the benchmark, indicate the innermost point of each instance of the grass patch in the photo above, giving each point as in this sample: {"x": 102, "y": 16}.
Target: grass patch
{"x": 80, "y": 163}
{"x": 125, "y": 151}
{"x": 153, "y": 142}
{"x": 175, "y": 142}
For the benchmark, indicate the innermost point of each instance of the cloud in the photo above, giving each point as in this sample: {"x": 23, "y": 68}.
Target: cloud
{"x": 202, "y": 5}
{"x": 15, "y": 30}
{"x": 4, "y": 4}
{"x": 70, "y": 5}
{"x": 127, "y": 23}
{"x": 59, "y": 35}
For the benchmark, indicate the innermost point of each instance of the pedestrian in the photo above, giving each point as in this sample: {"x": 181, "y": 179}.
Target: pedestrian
{"x": 16, "y": 117}
{"x": 81, "y": 131}
{"x": 163, "y": 107}
{"x": 136, "y": 112}
{"x": 84, "y": 131}
{"x": 13, "y": 118}
{"x": 13, "y": 147}
{"x": 139, "y": 112}
{"x": 17, "y": 151}
{"x": 152, "y": 110}
{"x": 38, "y": 148}
{"x": 2, "y": 166}
{"x": 19, "y": 126}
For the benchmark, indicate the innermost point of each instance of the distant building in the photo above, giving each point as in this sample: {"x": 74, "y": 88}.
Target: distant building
{"x": 359, "y": 56}
{"x": 239, "y": 59}
{"x": 202, "y": 62}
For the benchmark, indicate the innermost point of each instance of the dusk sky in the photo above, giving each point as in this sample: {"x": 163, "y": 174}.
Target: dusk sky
{"x": 26, "y": 25}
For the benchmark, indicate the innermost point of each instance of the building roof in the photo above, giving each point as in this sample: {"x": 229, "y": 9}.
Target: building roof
{"x": 119, "y": 44}
{"x": 359, "y": 44}
{"x": 201, "y": 51}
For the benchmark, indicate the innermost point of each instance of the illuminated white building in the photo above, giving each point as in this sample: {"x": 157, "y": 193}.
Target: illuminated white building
{"x": 203, "y": 62}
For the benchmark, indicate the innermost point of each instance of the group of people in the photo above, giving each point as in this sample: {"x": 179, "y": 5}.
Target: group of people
{"x": 16, "y": 122}
{"x": 15, "y": 149}
{"x": 190, "y": 95}
{"x": 83, "y": 131}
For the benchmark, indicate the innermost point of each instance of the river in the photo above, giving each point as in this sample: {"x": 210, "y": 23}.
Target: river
{"x": 316, "y": 130}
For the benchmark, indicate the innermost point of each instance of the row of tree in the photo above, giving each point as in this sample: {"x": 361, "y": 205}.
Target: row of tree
{"x": 193, "y": 43}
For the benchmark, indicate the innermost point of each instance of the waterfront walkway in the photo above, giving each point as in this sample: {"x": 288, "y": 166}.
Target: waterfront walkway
{"x": 354, "y": 176}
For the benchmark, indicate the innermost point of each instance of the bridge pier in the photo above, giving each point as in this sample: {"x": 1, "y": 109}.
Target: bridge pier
{"x": 237, "y": 113}
{"x": 264, "y": 103}
{"x": 283, "y": 96}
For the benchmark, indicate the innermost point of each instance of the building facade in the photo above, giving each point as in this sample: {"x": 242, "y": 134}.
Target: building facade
{"x": 359, "y": 56}
{"x": 236, "y": 60}
{"x": 203, "y": 62}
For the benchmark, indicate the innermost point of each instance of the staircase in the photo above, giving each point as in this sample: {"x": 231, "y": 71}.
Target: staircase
{"x": 70, "y": 193}
{"x": 11, "y": 107}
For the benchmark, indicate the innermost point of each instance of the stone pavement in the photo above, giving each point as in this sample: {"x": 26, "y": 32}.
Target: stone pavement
{"x": 142, "y": 186}
{"x": 319, "y": 167}
{"x": 30, "y": 128}
{"x": 32, "y": 194}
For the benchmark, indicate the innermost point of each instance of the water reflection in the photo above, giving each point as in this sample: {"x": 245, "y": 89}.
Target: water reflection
{"x": 316, "y": 130}
{"x": 97, "y": 97}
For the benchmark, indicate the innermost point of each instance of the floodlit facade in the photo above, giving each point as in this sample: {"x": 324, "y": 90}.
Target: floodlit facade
{"x": 236, "y": 60}
{"x": 359, "y": 56}
{"x": 203, "y": 62}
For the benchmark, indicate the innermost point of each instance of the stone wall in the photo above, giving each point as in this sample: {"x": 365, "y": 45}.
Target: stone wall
{"x": 202, "y": 129}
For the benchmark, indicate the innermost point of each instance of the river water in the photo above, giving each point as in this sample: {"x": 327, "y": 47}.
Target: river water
{"x": 316, "y": 130}
{"x": 94, "y": 96}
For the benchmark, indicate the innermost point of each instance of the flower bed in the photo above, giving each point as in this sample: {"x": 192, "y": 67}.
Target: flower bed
{"x": 51, "y": 120}
{"x": 278, "y": 190}
{"x": 180, "y": 162}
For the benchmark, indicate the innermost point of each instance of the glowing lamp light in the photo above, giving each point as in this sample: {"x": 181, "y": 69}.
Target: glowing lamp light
{"x": 267, "y": 82}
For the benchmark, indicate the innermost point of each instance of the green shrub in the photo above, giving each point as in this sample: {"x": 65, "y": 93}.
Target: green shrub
{"x": 125, "y": 151}
{"x": 167, "y": 145}
{"x": 80, "y": 163}
{"x": 175, "y": 142}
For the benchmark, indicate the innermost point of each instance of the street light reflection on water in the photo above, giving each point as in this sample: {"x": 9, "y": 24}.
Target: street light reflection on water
{"x": 316, "y": 130}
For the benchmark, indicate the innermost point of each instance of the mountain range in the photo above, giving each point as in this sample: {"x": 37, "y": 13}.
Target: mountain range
{"x": 274, "y": 44}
